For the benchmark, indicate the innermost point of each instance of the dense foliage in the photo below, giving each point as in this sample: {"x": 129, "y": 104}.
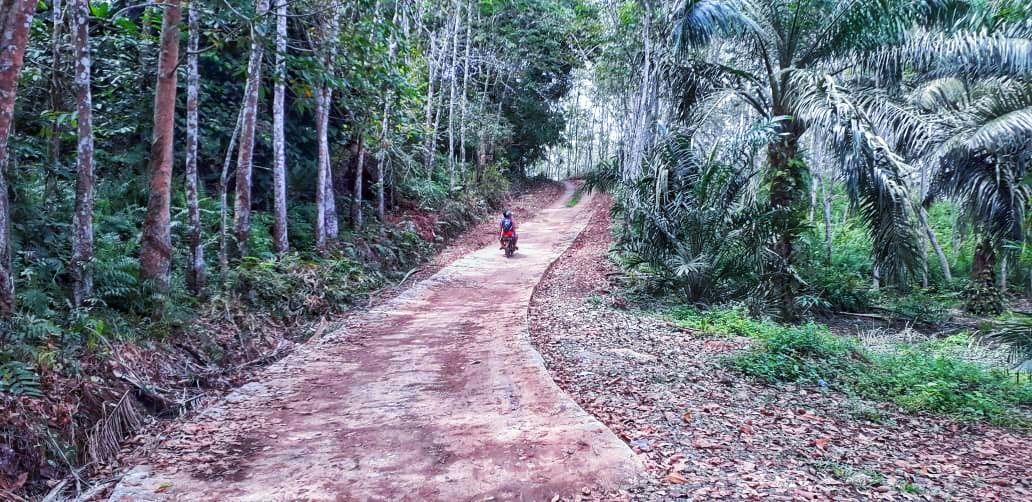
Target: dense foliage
{"x": 801, "y": 155}
{"x": 250, "y": 166}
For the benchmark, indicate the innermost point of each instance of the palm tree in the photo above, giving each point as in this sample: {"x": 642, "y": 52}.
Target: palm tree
{"x": 820, "y": 68}
{"x": 983, "y": 159}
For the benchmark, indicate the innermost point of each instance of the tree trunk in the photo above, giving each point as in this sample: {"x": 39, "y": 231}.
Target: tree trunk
{"x": 381, "y": 211}
{"x": 1003, "y": 275}
{"x": 323, "y": 188}
{"x": 428, "y": 159}
{"x": 280, "y": 242}
{"x": 196, "y": 275}
{"x": 943, "y": 261}
{"x": 451, "y": 100}
{"x": 826, "y": 202}
{"x": 983, "y": 263}
{"x": 223, "y": 191}
{"x": 356, "y": 196}
{"x": 82, "y": 218}
{"x": 15, "y": 20}
{"x": 156, "y": 246}
{"x": 786, "y": 184}
{"x": 244, "y": 168}
{"x": 56, "y": 95}
{"x": 465, "y": 92}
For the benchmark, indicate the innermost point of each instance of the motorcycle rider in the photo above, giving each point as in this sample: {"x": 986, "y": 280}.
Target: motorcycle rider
{"x": 508, "y": 228}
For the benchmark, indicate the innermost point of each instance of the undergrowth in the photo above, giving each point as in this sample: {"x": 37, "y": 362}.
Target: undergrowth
{"x": 924, "y": 377}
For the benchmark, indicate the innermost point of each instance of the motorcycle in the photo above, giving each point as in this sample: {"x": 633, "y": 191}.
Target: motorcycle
{"x": 509, "y": 244}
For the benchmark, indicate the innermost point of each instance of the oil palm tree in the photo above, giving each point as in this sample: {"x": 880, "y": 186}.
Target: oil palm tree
{"x": 822, "y": 68}
{"x": 983, "y": 159}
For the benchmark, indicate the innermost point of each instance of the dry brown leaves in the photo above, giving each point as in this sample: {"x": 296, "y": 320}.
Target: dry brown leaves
{"x": 704, "y": 432}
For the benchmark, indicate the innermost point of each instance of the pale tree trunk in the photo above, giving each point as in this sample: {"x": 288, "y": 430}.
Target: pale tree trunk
{"x": 15, "y": 19}
{"x": 56, "y": 94}
{"x": 481, "y": 161}
{"x": 196, "y": 275}
{"x": 332, "y": 221}
{"x": 428, "y": 149}
{"x": 223, "y": 191}
{"x": 388, "y": 99}
{"x": 1002, "y": 282}
{"x": 465, "y": 91}
{"x": 325, "y": 203}
{"x": 451, "y": 101}
{"x": 280, "y": 242}
{"x": 245, "y": 158}
{"x": 356, "y": 196}
{"x": 156, "y": 246}
{"x": 326, "y": 228}
{"x": 944, "y": 263}
{"x": 82, "y": 218}
{"x": 826, "y": 202}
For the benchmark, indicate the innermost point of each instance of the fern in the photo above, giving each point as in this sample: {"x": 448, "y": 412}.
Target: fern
{"x": 19, "y": 379}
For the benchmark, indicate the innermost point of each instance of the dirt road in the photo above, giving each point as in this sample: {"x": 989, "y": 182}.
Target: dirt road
{"x": 435, "y": 395}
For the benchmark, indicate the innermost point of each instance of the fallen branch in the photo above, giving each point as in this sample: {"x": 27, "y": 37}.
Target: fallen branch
{"x": 372, "y": 296}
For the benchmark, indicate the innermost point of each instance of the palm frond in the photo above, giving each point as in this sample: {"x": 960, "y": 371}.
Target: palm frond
{"x": 871, "y": 170}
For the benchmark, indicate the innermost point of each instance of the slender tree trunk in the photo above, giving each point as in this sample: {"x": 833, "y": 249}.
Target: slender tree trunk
{"x": 223, "y": 196}
{"x": 156, "y": 248}
{"x": 428, "y": 159}
{"x": 381, "y": 211}
{"x": 1003, "y": 275}
{"x": 280, "y": 242}
{"x": 826, "y": 202}
{"x": 943, "y": 261}
{"x": 15, "y": 20}
{"x": 356, "y": 195}
{"x": 465, "y": 91}
{"x": 82, "y": 218}
{"x": 196, "y": 275}
{"x": 324, "y": 196}
{"x": 451, "y": 100}
{"x": 56, "y": 94}
{"x": 245, "y": 158}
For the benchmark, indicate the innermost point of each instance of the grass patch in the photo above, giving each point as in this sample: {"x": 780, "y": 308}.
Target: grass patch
{"x": 733, "y": 321}
{"x": 575, "y": 198}
{"x": 928, "y": 376}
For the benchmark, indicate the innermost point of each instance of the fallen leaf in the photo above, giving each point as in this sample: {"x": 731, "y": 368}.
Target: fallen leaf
{"x": 676, "y": 479}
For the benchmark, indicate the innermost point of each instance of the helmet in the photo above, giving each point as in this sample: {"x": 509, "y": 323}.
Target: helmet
{"x": 507, "y": 214}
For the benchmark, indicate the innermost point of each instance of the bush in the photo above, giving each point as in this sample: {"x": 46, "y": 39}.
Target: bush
{"x": 291, "y": 287}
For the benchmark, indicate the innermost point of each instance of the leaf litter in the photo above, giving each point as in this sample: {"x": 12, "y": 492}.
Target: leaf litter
{"x": 704, "y": 432}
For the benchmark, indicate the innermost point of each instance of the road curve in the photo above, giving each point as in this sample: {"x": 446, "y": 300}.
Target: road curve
{"x": 434, "y": 395}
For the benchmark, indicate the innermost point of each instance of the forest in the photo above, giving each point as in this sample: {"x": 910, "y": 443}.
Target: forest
{"x": 186, "y": 183}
